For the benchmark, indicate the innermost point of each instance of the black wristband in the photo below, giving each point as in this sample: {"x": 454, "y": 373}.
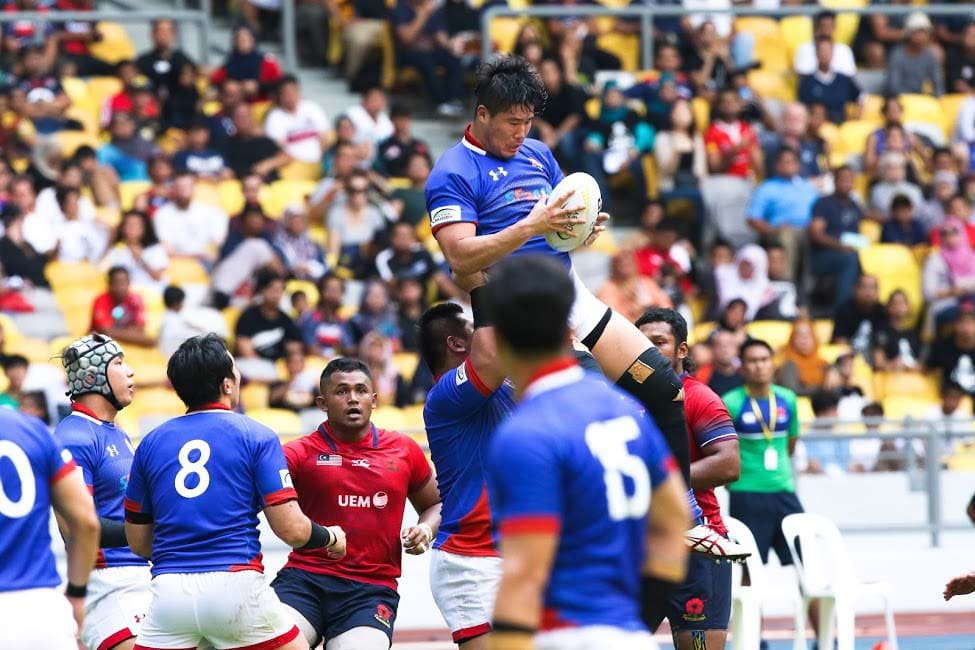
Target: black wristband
{"x": 504, "y": 626}
{"x": 76, "y": 591}
{"x": 478, "y": 306}
{"x": 320, "y": 537}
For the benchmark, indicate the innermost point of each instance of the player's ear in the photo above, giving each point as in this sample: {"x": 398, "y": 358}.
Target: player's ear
{"x": 321, "y": 404}
{"x": 375, "y": 400}
{"x": 682, "y": 350}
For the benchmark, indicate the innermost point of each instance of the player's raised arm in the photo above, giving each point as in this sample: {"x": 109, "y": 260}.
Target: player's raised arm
{"x": 74, "y": 506}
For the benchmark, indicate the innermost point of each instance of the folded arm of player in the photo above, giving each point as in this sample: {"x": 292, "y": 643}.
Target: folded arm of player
{"x": 426, "y": 501}
{"x": 295, "y": 529}
{"x": 74, "y": 506}
{"x": 468, "y": 252}
{"x": 669, "y": 519}
{"x": 719, "y": 464}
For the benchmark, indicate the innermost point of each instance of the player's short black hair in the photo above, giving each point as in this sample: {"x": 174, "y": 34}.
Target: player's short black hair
{"x": 11, "y": 361}
{"x": 197, "y": 370}
{"x": 529, "y": 299}
{"x": 678, "y": 326}
{"x": 754, "y": 343}
{"x": 824, "y": 400}
{"x": 436, "y": 324}
{"x": 509, "y": 82}
{"x": 342, "y": 364}
{"x": 173, "y": 296}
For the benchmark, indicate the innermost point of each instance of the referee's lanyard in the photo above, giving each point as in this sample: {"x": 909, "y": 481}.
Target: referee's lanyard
{"x": 768, "y": 429}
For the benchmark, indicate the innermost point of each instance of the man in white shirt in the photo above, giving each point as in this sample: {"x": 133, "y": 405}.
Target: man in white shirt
{"x": 824, "y": 24}
{"x": 299, "y": 126}
{"x": 188, "y": 228}
{"x": 372, "y": 123}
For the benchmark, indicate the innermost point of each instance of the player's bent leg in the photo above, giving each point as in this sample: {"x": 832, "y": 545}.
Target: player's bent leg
{"x": 40, "y": 619}
{"x": 359, "y": 638}
{"x": 308, "y": 632}
{"x": 464, "y": 589}
{"x": 300, "y": 594}
{"x": 700, "y": 608}
{"x": 117, "y": 603}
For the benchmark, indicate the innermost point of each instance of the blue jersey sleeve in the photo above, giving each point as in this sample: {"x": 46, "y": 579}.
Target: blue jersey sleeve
{"x": 83, "y": 447}
{"x": 58, "y": 460}
{"x": 271, "y": 469}
{"x": 660, "y": 462}
{"x": 451, "y": 198}
{"x": 525, "y": 482}
{"x": 138, "y": 508}
{"x": 458, "y": 394}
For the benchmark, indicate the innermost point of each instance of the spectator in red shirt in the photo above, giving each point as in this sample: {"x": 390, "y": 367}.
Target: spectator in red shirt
{"x": 256, "y": 70}
{"x": 126, "y": 100}
{"x": 120, "y": 313}
{"x": 731, "y": 145}
{"x": 75, "y": 37}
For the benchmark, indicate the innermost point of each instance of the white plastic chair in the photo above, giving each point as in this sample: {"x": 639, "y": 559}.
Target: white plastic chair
{"x": 746, "y": 600}
{"x": 826, "y": 574}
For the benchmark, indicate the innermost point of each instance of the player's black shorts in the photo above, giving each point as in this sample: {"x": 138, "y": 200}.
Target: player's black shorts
{"x": 702, "y": 602}
{"x": 763, "y": 513}
{"x": 336, "y": 605}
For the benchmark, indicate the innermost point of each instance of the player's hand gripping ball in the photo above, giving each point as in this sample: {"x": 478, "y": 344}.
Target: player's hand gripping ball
{"x": 586, "y": 202}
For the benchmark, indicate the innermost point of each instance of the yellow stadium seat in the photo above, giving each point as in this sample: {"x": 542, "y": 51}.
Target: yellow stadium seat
{"x": 796, "y": 30}
{"x": 230, "y": 196}
{"x": 207, "y": 193}
{"x": 186, "y": 270}
{"x": 773, "y": 85}
{"x": 907, "y": 384}
{"x": 311, "y": 291}
{"x": 66, "y": 275}
{"x": 254, "y": 396}
{"x": 108, "y": 215}
{"x": 101, "y": 88}
{"x": 115, "y": 44}
{"x": 846, "y": 23}
{"x": 830, "y": 351}
{"x": 281, "y": 421}
{"x": 389, "y": 417}
{"x": 12, "y": 336}
{"x": 76, "y": 89}
{"x": 413, "y": 419}
{"x": 702, "y": 113}
{"x": 873, "y": 106}
{"x": 871, "y": 229}
{"x": 702, "y": 331}
{"x": 149, "y": 365}
{"x": 406, "y": 363}
{"x": 898, "y": 408}
{"x": 606, "y": 244}
{"x": 88, "y": 118}
{"x": 804, "y": 409}
{"x": 922, "y": 108}
{"x": 129, "y": 190}
{"x": 823, "y": 331}
{"x": 770, "y": 46}
{"x": 504, "y": 30}
{"x": 950, "y": 107}
{"x": 283, "y": 193}
{"x": 592, "y": 107}
{"x": 854, "y": 134}
{"x": 895, "y": 267}
{"x": 774, "y": 332}
{"x": 259, "y": 110}
{"x": 36, "y": 350}
{"x": 298, "y": 170}
{"x": 157, "y": 401}
{"x": 626, "y": 47}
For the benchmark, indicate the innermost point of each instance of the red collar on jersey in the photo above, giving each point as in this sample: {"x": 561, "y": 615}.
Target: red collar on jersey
{"x": 84, "y": 410}
{"x": 471, "y": 139}
{"x": 325, "y": 429}
{"x": 550, "y": 368}
{"x": 212, "y": 406}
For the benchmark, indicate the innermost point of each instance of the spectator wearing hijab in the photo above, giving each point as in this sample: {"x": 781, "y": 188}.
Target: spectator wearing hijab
{"x": 254, "y": 69}
{"x": 802, "y": 369}
{"x": 949, "y": 272}
{"x": 747, "y": 279}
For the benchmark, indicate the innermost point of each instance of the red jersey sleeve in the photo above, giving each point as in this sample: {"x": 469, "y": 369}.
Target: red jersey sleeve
{"x": 708, "y": 419}
{"x": 420, "y": 471}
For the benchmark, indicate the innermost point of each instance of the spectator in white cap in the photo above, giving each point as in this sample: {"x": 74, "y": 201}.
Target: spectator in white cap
{"x": 914, "y": 67}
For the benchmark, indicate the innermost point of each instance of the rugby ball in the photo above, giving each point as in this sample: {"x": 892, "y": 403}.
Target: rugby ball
{"x": 586, "y": 203}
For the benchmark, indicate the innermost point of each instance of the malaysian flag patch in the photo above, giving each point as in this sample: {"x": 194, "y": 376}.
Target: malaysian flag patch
{"x": 329, "y": 460}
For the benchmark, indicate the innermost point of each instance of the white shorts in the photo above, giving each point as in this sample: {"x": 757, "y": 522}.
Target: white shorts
{"x": 117, "y": 602}
{"x": 229, "y": 610}
{"x": 40, "y": 619}
{"x": 464, "y": 588}
{"x": 603, "y": 637}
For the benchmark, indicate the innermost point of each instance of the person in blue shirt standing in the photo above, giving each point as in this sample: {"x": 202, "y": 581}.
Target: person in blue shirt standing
{"x": 781, "y": 206}
{"x": 571, "y": 558}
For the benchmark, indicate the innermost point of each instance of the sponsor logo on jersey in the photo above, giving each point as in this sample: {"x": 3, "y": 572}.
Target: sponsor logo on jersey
{"x": 498, "y": 174}
{"x": 521, "y": 194}
{"x": 378, "y": 500}
{"x": 536, "y": 164}
{"x": 66, "y": 456}
{"x": 694, "y": 610}
{"x": 461, "y": 376}
{"x": 112, "y": 451}
{"x": 383, "y": 614}
{"x": 360, "y": 462}
{"x": 286, "y": 478}
{"x": 444, "y": 214}
{"x": 329, "y": 460}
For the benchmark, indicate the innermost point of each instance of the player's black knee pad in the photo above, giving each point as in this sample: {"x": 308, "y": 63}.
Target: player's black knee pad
{"x": 653, "y": 381}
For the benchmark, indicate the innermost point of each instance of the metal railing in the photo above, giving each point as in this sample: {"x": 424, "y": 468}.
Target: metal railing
{"x": 647, "y": 13}
{"x": 199, "y": 17}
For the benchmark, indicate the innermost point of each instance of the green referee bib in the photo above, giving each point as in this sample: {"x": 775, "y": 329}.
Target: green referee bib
{"x": 752, "y": 417}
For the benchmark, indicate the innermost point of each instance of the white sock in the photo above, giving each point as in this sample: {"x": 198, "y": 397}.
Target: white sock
{"x": 587, "y": 310}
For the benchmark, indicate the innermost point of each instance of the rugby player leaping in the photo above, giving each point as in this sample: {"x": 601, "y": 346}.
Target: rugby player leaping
{"x": 487, "y": 200}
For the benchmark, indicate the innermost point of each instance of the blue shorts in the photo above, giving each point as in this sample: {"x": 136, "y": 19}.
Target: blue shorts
{"x": 702, "y": 602}
{"x": 763, "y": 513}
{"x": 336, "y": 605}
